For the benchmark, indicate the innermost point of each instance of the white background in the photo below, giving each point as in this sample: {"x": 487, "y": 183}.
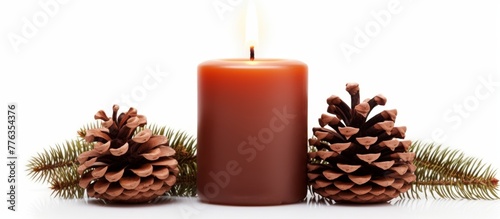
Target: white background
{"x": 430, "y": 59}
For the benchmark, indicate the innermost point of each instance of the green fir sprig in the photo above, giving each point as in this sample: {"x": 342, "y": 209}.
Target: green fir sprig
{"x": 445, "y": 173}
{"x": 65, "y": 183}
{"x": 46, "y": 165}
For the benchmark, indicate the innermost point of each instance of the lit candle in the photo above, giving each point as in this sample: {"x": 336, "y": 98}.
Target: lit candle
{"x": 252, "y": 130}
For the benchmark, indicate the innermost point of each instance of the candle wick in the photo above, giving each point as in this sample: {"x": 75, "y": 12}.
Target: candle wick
{"x": 252, "y": 53}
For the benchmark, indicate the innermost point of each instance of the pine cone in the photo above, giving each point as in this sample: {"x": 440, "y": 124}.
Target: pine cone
{"x": 359, "y": 160}
{"x": 125, "y": 166}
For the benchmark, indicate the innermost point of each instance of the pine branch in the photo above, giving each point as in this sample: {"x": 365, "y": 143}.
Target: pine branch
{"x": 45, "y": 166}
{"x": 446, "y": 173}
{"x": 64, "y": 183}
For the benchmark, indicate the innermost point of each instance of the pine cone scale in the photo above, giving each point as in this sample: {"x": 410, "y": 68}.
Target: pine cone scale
{"x": 144, "y": 170}
{"x": 114, "y": 176}
{"x": 99, "y": 171}
{"x": 114, "y": 190}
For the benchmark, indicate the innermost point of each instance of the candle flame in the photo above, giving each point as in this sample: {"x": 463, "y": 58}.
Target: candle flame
{"x": 251, "y": 24}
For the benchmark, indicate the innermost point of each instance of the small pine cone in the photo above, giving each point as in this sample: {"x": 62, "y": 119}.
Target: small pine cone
{"x": 359, "y": 159}
{"x": 126, "y": 165}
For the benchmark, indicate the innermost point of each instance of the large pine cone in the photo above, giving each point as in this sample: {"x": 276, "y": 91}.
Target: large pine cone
{"x": 359, "y": 160}
{"x": 125, "y": 166}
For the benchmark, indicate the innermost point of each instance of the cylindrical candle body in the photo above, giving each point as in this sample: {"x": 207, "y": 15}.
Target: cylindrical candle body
{"x": 252, "y": 132}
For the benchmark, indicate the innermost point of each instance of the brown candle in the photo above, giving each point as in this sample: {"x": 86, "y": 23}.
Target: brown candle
{"x": 252, "y": 131}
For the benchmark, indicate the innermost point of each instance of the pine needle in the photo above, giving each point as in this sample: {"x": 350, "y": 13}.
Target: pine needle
{"x": 46, "y": 165}
{"x": 83, "y": 130}
{"x": 64, "y": 183}
{"x": 446, "y": 173}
